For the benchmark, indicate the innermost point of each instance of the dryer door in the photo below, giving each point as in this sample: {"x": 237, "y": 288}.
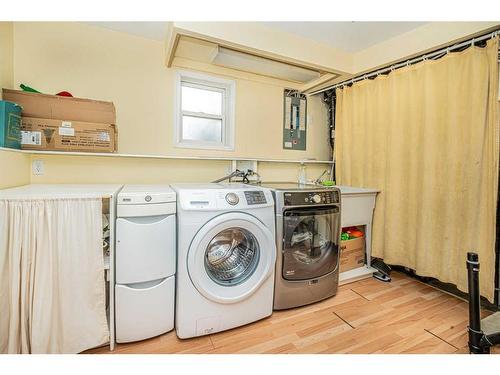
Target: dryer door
{"x": 310, "y": 242}
{"x": 230, "y": 257}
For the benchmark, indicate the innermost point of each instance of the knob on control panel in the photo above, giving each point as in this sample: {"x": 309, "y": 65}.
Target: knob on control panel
{"x": 232, "y": 199}
{"x": 316, "y": 198}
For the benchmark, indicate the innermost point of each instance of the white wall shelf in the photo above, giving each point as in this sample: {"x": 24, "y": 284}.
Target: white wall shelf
{"x": 174, "y": 157}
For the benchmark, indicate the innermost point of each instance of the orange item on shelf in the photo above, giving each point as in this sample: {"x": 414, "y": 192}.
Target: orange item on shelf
{"x": 356, "y": 233}
{"x": 353, "y": 232}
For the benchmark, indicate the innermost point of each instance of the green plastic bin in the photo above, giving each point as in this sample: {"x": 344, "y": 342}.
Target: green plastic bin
{"x": 10, "y": 124}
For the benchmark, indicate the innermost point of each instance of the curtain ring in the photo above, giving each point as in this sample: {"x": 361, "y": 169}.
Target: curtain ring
{"x": 472, "y": 42}
{"x": 448, "y": 50}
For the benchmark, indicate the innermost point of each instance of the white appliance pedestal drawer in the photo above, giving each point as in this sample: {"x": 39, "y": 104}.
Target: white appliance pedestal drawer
{"x": 145, "y": 248}
{"x": 144, "y": 310}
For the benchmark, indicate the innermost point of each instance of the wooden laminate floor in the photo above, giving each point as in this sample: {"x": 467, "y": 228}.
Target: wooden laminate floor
{"x": 367, "y": 316}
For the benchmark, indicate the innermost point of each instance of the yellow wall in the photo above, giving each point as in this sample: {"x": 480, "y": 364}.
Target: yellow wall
{"x": 14, "y": 166}
{"x": 6, "y": 54}
{"x": 14, "y": 169}
{"x": 98, "y": 63}
{"x": 88, "y": 170}
{"x": 102, "y": 64}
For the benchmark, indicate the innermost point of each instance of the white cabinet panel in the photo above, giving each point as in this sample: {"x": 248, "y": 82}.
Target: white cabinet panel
{"x": 357, "y": 209}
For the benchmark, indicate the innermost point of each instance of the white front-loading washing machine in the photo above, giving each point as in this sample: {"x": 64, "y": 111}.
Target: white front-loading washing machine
{"x": 226, "y": 256}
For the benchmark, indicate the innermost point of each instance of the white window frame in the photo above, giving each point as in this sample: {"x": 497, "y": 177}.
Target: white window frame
{"x": 208, "y": 82}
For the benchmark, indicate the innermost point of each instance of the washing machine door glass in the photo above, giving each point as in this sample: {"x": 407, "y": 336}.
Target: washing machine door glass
{"x": 230, "y": 257}
{"x": 311, "y": 242}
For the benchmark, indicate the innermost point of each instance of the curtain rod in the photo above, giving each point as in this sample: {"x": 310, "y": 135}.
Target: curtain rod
{"x": 409, "y": 62}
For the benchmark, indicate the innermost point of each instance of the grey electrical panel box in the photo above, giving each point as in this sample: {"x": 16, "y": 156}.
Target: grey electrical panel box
{"x": 295, "y": 121}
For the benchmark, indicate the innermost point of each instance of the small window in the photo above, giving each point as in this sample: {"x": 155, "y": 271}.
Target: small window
{"x": 204, "y": 112}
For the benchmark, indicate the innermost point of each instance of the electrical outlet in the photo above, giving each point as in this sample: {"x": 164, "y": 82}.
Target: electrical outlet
{"x": 37, "y": 167}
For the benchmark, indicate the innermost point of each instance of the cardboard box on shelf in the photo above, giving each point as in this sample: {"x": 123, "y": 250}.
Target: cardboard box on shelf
{"x": 61, "y": 107}
{"x": 57, "y": 135}
{"x": 57, "y": 123}
{"x": 352, "y": 254}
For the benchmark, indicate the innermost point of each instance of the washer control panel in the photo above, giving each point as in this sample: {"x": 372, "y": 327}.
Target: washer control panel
{"x": 311, "y": 198}
{"x": 224, "y": 199}
{"x": 255, "y": 197}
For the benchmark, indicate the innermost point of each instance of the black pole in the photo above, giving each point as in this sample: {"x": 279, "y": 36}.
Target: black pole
{"x": 475, "y": 333}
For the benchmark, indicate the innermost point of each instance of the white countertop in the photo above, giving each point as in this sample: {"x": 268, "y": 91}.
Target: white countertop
{"x": 347, "y": 190}
{"x": 54, "y": 191}
{"x": 34, "y": 191}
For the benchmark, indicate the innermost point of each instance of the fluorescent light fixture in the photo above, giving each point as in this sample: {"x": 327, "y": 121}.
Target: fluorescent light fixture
{"x": 254, "y": 64}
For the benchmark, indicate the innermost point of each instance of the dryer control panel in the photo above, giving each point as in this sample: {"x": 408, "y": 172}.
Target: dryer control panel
{"x": 311, "y": 198}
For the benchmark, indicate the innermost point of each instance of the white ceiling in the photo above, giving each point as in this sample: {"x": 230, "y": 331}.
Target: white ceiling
{"x": 347, "y": 36}
{"x": 149, "y": 30}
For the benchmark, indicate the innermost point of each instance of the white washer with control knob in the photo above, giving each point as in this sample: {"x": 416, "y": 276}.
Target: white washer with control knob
{"x": 226, "y": 257}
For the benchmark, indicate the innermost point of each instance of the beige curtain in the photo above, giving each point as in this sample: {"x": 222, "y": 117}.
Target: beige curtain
{"x": 427, "y": 137}
{"x": 52, "y": 291}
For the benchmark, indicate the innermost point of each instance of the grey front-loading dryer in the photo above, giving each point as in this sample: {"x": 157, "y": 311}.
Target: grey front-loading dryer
{"x": 308, "y": 233}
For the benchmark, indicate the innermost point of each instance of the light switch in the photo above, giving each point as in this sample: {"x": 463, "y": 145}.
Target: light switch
{"x": 37, "y": 167}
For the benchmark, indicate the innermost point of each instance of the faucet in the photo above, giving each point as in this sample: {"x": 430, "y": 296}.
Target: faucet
{"x": 318, "y": 180}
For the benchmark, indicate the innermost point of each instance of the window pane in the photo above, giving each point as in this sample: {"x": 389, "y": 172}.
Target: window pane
{"x": 199, "y": 100}
{"x": 201, "y": 129}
